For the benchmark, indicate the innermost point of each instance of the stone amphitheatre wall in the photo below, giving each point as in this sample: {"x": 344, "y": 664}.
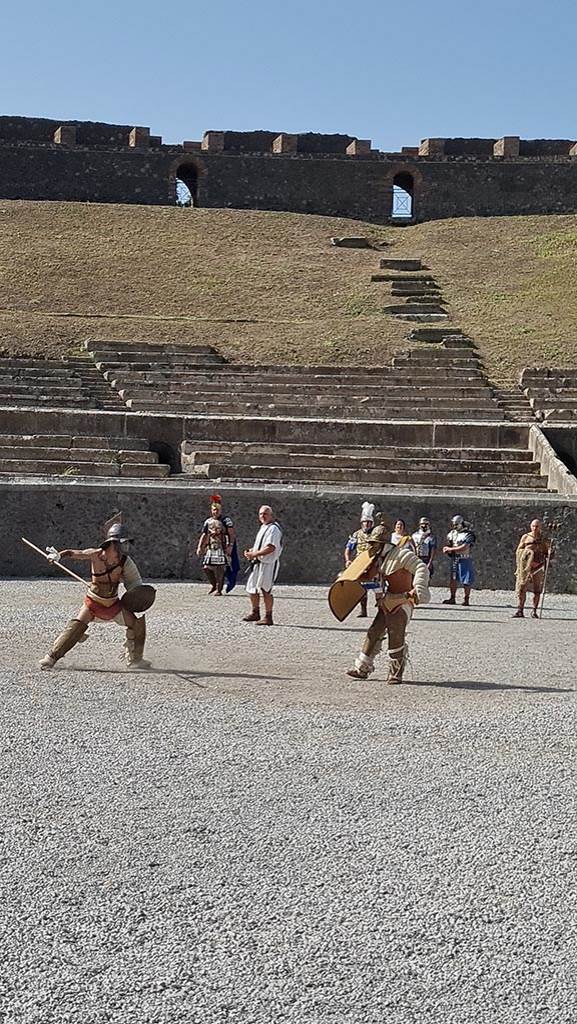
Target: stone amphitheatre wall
{"x": 336, "y": 175}
{"x": 163, "y": 518}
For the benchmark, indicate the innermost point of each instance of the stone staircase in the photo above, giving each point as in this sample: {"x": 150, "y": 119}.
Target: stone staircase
{"x": 81, "y": 456}
{"x": 515, "y": 406}
{"x": 358, "y": 466}
{"x": 423, "y": 301}
{"x": 551, "y": 393}
{"x": 72, "y": 383}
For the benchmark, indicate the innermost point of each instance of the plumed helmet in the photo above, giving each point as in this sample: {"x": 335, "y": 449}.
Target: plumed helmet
{"x": 367, "y": 512}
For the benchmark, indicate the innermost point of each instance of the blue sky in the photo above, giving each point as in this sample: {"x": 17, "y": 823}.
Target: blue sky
{"x": 386, "y": 71}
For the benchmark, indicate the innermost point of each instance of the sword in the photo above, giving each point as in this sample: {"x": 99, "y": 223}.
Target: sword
{"x": 39, "y": 551}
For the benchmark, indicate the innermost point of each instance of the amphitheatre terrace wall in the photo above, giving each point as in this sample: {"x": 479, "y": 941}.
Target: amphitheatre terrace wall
{"x": 165, "y": 519}
{"x": 332, "y": 175}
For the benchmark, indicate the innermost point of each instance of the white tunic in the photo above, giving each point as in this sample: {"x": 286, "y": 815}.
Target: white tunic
{"x": 266, "y": 569}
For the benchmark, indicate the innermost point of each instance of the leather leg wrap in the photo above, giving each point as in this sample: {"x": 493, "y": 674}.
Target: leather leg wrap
{"x": 68, "y": 639}
{"x": 135, "y": 639}
{"x": 397, "y": 628}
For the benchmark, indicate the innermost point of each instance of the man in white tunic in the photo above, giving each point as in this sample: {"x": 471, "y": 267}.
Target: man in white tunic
{"x": 265, "y": 554}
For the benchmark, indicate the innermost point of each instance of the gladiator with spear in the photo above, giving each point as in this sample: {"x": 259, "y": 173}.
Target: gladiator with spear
{"x": 110, "y": 566}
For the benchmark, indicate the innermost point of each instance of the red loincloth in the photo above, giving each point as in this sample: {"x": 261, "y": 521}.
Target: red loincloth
{"x": 100, "y": 611}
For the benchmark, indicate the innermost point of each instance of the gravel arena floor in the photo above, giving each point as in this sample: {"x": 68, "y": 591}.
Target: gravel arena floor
{"x": 242, "y": 834}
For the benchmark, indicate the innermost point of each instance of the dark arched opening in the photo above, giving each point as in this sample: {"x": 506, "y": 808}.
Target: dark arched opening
{"x": 186, "y": 185}
{"x": 403, "y": 196}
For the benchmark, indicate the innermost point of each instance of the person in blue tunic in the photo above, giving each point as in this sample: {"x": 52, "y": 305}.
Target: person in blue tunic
{"x": 460, "y": 541}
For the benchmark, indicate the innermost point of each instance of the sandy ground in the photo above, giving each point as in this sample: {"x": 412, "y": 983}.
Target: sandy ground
{"x": 244, "y": 834}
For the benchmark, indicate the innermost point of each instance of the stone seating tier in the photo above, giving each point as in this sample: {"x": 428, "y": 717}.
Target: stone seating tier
{"x": 410, "y": 410}
{"x": 306, "y": 393}
{"x": 192, "y": 449}
{"x": 222, "y": 471}
{"x": 66, "y": 455}
{"x": 406, "y": 376}
{"x": 62, "y": 383}
{"x": 506, "y": 469}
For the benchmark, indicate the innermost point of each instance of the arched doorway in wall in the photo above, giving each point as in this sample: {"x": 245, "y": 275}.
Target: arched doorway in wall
{"x": 186, "y": 185}
{"x": 403, "y": 204}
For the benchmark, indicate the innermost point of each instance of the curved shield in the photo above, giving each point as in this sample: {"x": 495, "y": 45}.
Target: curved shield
{"x": 345, "y": 595}
{"x": 139, "y": 599}
{"x": 363, "y": 567}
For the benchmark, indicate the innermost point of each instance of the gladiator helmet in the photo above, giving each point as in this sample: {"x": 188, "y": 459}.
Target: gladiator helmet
{"x": 117, "y": 534}
{"x": 379, "y": 535}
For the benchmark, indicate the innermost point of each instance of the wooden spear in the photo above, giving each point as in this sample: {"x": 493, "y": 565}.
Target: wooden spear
{"x": 59, "y": 564}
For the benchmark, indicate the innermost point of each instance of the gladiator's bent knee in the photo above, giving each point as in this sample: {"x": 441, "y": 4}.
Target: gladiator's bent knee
{"x": 68, "y": 639}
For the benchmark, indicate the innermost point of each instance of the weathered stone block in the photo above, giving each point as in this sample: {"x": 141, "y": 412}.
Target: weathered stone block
{"x": 285, "y": 143}
{"x": 192, "y": 147}
{"x": 139, "y": 138}
{"x": 432, "y": 147}
{"x": 410, "y": 150}
{"x": 65, "y": 135}
{"x": 359, "y": 147}
{"x": 351, "y": 242}
{"x": 213, "y": 142}
{"x": 508, "y": 146}
{"x": 573, "y": 150}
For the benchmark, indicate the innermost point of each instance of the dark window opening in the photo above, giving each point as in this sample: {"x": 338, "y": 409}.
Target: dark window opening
{"x": 186, "y": 185}
{"x": 403, "y": 196}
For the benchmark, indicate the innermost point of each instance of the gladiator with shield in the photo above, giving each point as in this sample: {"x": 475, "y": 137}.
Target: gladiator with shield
{"x": 404, "y": 583}
{"x": 111, "y": 566}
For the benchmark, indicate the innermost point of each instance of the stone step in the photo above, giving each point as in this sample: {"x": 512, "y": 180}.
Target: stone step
{"x": 56, "y": 390}
{"x": 544, "y": 375}
{"x": 152, "y": 346}
{"x": 392, "y": 278}
{"x": 66, "y": 455}
{"x": 61, "y": 372}
{"x": 553, "y": 402}
{"x": 409, "y": 411}
{"x": 399, "y": 375}
{"x": 434, "y": 357}
{"x": 417, "y": 291}
{"x": 75, "y": 467}
{"x": 278, "y": 369}
{"x": 480, "y": 391}
{"x": 124, "y": 444}
{"x": 413, "y": 308}
{"x": 436, "y": 333}
{"x": 70, "y": 362}
{"x": 49, "y": 401}
{"x": 420, "y": 478}
{"x": 399, "y": 398}
{"x": 96, "y": 386}
{"x": 388, "y": 263}
{"x": 256, "y": 448}
{"x": 112, "y": 358}
{"x": 556, "y": 394}
{"x": 339, "y": 461}
{"x": 46, "y": 401}
{"x": 421, "y": 318}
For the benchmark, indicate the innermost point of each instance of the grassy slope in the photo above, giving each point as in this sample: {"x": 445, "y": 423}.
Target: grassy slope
{"x": 510, "y": 282}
